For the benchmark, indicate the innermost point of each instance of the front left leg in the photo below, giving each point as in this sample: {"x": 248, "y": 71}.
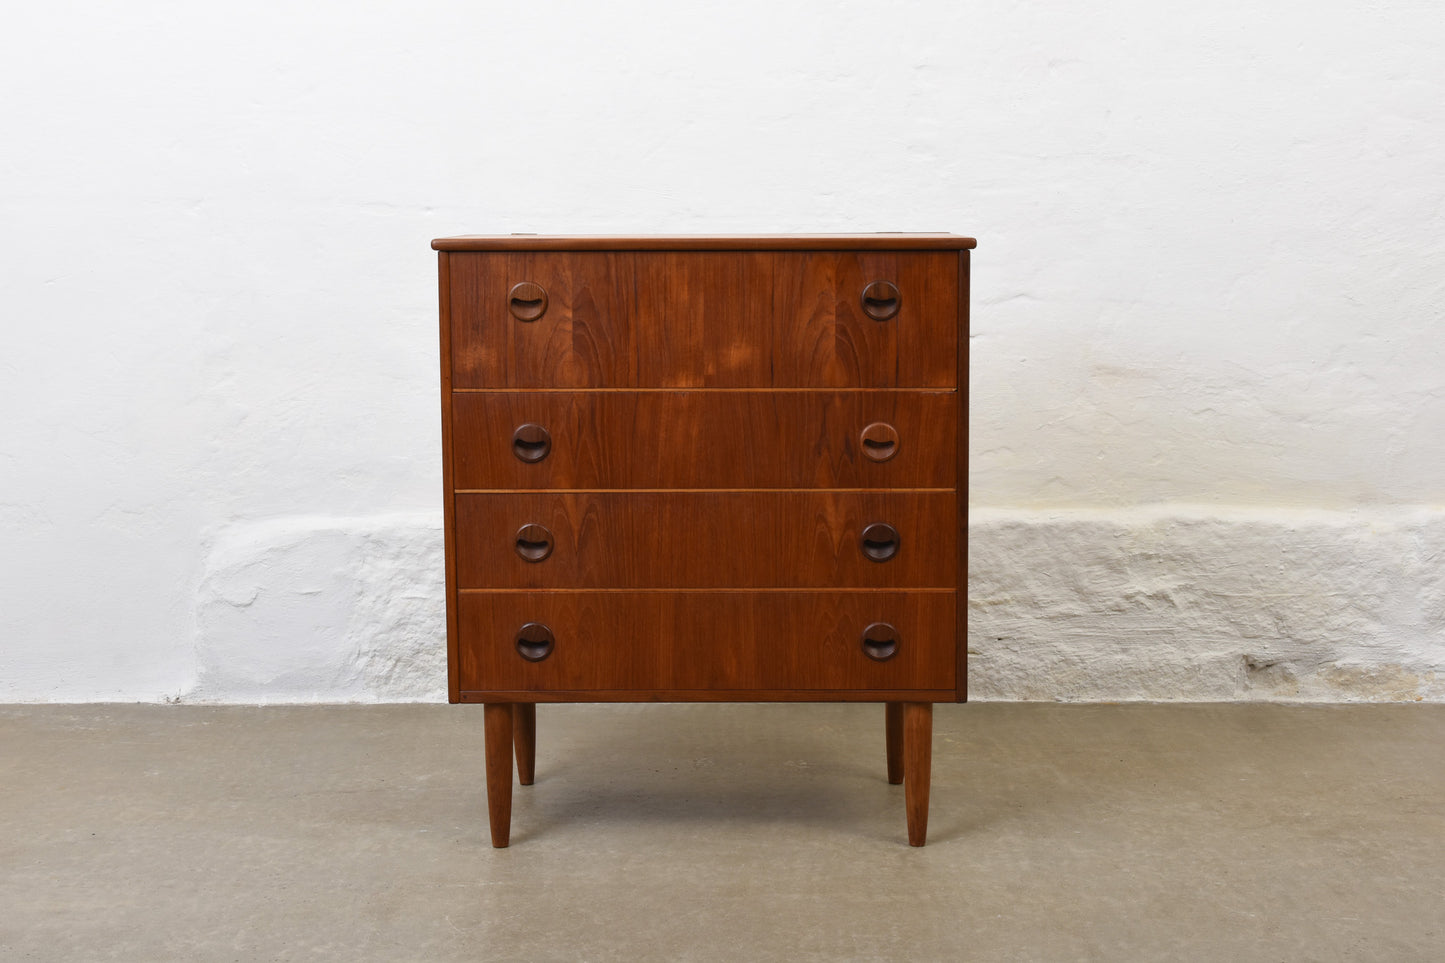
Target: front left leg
{"x": 497, "y": 719}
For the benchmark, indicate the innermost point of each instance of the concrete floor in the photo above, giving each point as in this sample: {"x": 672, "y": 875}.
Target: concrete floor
{"x": 716, "y": 832}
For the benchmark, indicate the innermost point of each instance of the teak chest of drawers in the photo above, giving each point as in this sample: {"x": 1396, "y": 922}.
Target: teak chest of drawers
{"x": 705, "y": 469}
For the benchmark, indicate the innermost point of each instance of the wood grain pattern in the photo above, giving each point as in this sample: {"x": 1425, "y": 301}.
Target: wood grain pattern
{"x": 704, "y": 439}
{"x": 478, "y": 326}
{"x": 704, "y": 242}
{"x": 706, "y": 641}
{"x": 727, "y": 320}
{"x": 824, "y": 338}
{"x": 586, "y": 337}
{"x": 706, "y": 539}
{"x": 707, "y": 318}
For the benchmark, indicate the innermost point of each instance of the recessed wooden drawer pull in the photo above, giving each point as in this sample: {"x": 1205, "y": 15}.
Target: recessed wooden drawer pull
{"x": 880, "y": 541}
{"x": 880, "y": 300}
{"x": 534, "y": 542}
{"x": 879, "y": 441}
{"x": 534, "y": 641}
{"x": 880, "y": 641}
{"x": 531, "y": 442}
{"x": 527, "y": 301}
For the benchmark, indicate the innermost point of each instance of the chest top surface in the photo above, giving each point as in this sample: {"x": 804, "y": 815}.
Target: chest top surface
{"x": 705, "y": 242}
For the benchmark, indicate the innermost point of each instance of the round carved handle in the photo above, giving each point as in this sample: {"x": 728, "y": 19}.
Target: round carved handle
{"x": 534, "y": 542}
{"x": 527, "y": 301}
{"x": 879, "y": 441}
{"x": 531, "y": 442}
{"x": 534, "y": 641}
{"x": 879, "y": 542}
{"x": 881, "y": 300}
{"x": 880, "y": 641}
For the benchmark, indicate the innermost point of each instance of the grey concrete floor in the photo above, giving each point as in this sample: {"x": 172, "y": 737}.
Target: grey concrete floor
{"x": 723, "y": 832}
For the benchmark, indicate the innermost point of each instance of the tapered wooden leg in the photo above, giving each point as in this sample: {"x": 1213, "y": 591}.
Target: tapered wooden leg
{"x": 497, "y": 717}
{"x": 917, "y": 765}
{"x": 524, "y": 732}
{"x": 893, "y": 725}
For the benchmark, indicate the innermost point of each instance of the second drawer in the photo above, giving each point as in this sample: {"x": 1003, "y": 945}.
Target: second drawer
{"x": 799, "y": 539}
{"x": 705, "y": 439}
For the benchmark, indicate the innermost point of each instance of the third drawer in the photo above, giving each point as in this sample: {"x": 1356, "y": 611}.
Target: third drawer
{"x": 707, "y": 539}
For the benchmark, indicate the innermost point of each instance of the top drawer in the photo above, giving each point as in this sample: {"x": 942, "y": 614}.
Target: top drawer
{"x": 723, "y": 319}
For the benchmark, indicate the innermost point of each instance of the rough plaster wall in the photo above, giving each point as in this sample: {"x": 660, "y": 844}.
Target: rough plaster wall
{"x": 1207, "y": 403}
{"x": 1200, "y": 603}
{"x": 316, "y": 609}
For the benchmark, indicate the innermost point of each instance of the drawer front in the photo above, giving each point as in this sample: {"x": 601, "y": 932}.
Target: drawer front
{"x": 724, "y": 439}
{"x": 822, "y": 335}
{"x": 706, "y": 540}
{"x": 706, "y": 640}
{"x": 584, "y": 335}
{"x": 704, "y": 319}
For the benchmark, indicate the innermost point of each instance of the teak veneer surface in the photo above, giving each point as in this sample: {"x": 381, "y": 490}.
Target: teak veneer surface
{"x": 704, "y": 640}
{"x": 705, "y": 439}
{"x": 706, "y": 539}
{"x": 622, "y": 319}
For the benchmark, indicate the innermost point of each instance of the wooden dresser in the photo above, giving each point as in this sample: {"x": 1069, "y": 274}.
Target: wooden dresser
{"x": 697, "y": 468}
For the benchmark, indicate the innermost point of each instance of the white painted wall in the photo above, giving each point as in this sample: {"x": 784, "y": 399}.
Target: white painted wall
{"x": 1209, "y": 383}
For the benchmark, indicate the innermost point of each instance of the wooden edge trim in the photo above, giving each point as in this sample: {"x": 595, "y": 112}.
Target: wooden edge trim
{"x": 711, "y": 390}
{"x": 712, "y": 590}
{"x": 961, "y": 481}
{"x": 454, "y": 690}
{"x": 704, "y": 491}
{"x": 707, "y": 695}
{"x": 748, "y": 242}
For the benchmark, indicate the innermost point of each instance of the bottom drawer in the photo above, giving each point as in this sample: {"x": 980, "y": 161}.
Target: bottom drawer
{"x": 676, "y": 642}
